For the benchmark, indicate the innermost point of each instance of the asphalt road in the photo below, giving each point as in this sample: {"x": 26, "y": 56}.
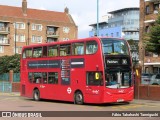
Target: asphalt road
{"x": 13, "y": 102}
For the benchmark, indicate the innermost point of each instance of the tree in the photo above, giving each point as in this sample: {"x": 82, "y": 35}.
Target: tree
{"x": 8, "y": 63}
{"x": 152, "y": 39}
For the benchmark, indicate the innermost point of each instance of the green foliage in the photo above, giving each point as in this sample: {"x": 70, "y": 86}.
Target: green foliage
{"x": 8, "y": 63}
{"x": 152, "y": 39}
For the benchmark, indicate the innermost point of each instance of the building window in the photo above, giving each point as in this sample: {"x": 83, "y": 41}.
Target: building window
{"x": 155, "y": 70}
{"x": 111, "y": 34}
{"x": 19, "y": 25}
{"x": 19, "y": 38}
{"x": 65, "y": 39}
{"x": 36, "y": 39}
{"x": 51, "y": 40}
{"x": 51, "y": 30}
{"x": 117, "y": 34}
{"x": 1, "y": 49}
{"x": 147, "y": 29}
{"x": 18, "y": 50}
{"x": 156, "y": 7}
{"x": 155, "y": 55}
{"x": 37, "y": 27}
{"x": 147, "y": 10}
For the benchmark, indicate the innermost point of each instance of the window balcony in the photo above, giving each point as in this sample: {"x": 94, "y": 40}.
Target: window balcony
{"x": 4, "y": 30}
{"x": 133, "y": 37}
{"x": 4, "y": 41}
{"x": 52, "y": 34}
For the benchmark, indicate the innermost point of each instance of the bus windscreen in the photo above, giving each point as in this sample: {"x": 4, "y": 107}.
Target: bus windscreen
{"x": 113, "y": 46}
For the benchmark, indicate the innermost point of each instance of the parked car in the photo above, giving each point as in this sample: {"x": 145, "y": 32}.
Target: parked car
{"x": 146, "y": 78}
{"x": 155, "y": 79}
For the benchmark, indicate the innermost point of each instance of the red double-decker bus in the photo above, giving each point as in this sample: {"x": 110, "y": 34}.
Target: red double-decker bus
{"x": 91, "y": 70}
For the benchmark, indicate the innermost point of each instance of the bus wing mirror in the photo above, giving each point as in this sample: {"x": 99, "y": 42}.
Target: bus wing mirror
{"x": 97, "y": 76}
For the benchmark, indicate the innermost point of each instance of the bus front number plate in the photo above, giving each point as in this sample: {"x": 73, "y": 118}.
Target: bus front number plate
{"x": 120, "y": 100}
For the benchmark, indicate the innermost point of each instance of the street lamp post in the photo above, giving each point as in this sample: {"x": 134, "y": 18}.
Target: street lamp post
{"x": 97, "y": 17}
{"x": 28, "y": 32}
{"x": 15, "y": 36}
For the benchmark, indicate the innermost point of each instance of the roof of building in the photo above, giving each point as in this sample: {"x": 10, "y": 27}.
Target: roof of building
{"x": 100, "y": 23}
{"x": 124, "y": 9}
{"x": 10, "y": 11}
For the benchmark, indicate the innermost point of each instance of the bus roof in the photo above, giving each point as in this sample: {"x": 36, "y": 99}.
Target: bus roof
{"x": 69, "y": 41}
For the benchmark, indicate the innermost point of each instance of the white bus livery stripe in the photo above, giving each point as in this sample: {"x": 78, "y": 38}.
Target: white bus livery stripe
{"x": 77, "y": 63}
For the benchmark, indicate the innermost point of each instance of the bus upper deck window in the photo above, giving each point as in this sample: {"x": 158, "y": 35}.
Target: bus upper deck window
{"x": 27, "y": 53}
{"x": 37, "y": 52}
{"x": 53, "y": 51}
{"x": 78, "y": 49}
{"x": 44, "y": 51}
{"x": 91, "y": 47}
{"x": 65, "y": 50}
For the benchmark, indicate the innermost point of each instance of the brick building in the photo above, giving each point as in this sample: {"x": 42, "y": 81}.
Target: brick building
{"x": 21, "y": 26}
{"x": 150, "y": 62}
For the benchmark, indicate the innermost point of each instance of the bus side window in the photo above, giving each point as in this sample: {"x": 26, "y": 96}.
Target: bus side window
{"x": 91, "y": 47}
{"x": 30, "y": 77}
{"x": 53, "y": 51}
{"x": 27, "y": 53}
{"x": 44, "y": 78}
{"x": 44, "y": 51}
{"x": 52, "y": 78}
{"x": 65, "y": 50}
{"x": 37, "y": 77}
{"x": 94, "y": 78}
{"x": 37, "y": 52}
{"x": 78, "y": 48}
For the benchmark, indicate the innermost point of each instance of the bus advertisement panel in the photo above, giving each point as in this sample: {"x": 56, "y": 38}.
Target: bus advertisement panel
{"x": 91, "y": 70}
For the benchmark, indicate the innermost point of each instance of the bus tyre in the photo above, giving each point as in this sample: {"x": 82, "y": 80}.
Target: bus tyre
{"x": 36, "y": 95}
{"x": 78, "y": 98}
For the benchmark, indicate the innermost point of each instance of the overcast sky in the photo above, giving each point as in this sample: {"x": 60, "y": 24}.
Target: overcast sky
{"x": 84, "y": 12}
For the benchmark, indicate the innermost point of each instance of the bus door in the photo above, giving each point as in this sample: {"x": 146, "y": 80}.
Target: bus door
{"x": 49, "y": 84}
{"x": 94, "y": 82}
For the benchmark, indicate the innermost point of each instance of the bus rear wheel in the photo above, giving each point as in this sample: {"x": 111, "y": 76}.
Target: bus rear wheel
{"x": 78, "y": 98}
{"x": 36, "y": 95}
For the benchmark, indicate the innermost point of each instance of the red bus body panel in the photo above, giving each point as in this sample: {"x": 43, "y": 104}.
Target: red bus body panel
{"x": 91, "y": 94}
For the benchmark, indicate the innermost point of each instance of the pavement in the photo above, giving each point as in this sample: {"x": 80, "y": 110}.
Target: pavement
{"x": 145, "y": 102}
{"x": 9, "y": 93}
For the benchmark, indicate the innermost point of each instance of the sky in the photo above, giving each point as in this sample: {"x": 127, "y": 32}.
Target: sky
{"x": 84, "y": 12}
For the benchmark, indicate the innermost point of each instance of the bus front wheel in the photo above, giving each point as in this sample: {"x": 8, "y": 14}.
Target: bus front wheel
{"x": 78, "y": 98}
{"x": 36, "y": 95}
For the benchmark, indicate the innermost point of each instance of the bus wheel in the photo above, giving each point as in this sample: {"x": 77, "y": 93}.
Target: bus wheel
{"x": 78, "y": 98}
{"x": 36, "y": 95}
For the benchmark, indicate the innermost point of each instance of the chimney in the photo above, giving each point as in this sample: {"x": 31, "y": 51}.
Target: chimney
{"x": 66, "y": 10}
{"x": 24, "y": 7}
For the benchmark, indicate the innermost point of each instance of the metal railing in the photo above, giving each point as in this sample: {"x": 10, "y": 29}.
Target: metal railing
{"x": 5, "y": 29}
{"x": 4, "y": 41}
